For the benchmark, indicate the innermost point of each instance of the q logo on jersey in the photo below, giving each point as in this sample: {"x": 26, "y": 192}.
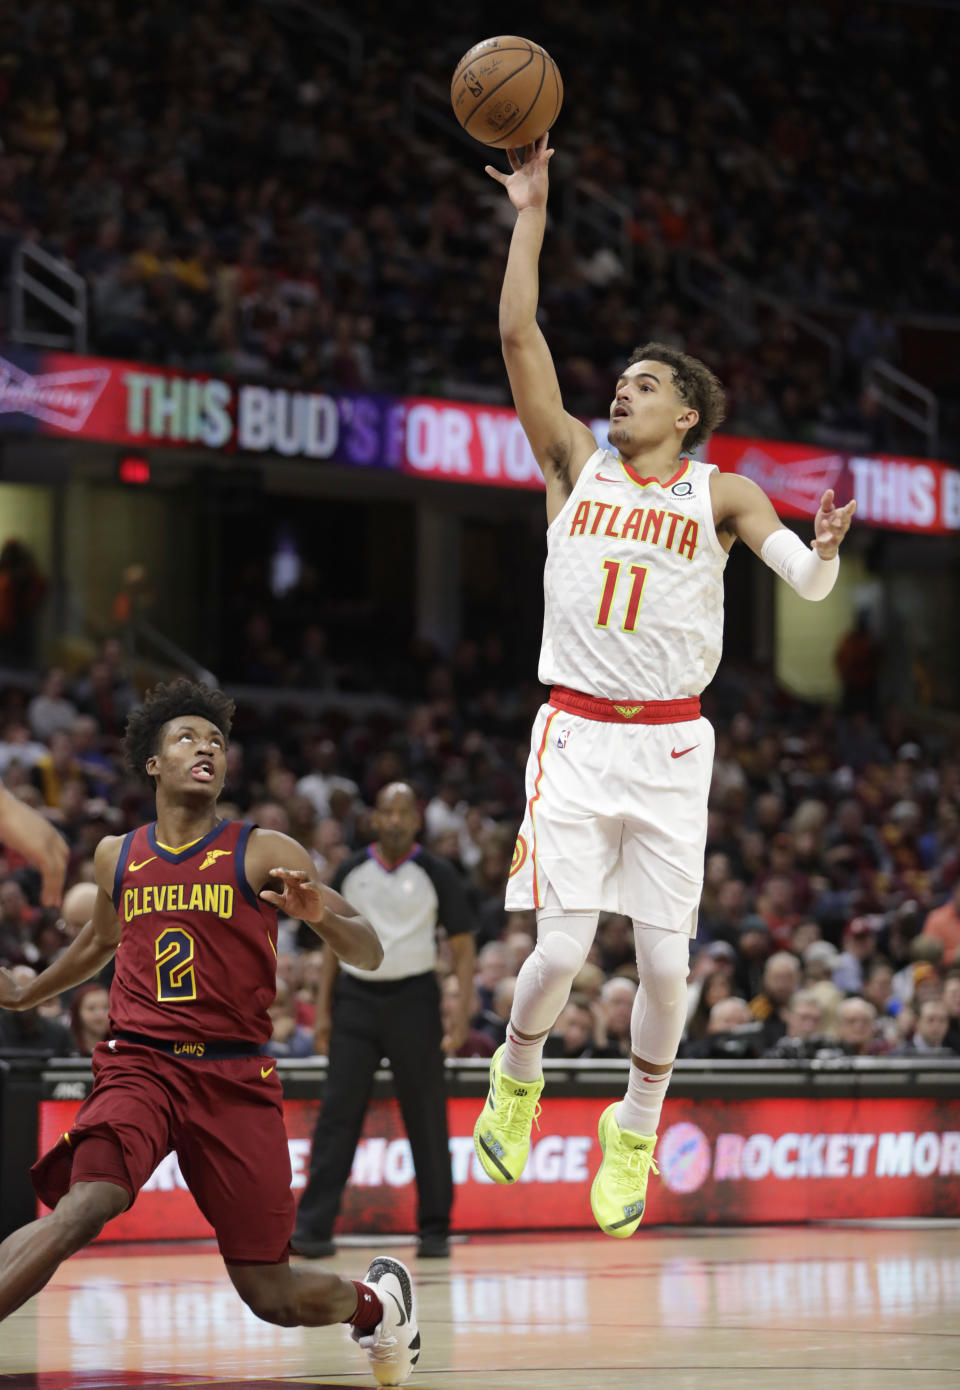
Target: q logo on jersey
{"x": 682, "y": 489}
{"x": 519, "y": 856}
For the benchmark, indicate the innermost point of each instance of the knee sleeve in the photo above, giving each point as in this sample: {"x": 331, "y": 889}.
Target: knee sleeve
{"x": 563, "y": 938}
{"x": 561, "y": 949}
{"x": 660, "y": 1008}
{"x": 543, "y": 984}
{"x": 663, "y": 963}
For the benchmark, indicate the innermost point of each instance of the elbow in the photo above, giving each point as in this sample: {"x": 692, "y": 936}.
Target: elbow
{"x": 515, "y": 334}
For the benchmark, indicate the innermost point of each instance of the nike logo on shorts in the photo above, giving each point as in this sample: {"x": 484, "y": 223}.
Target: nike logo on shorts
{"x": 675, "y": 754}
{"x": 265, "y": 1071}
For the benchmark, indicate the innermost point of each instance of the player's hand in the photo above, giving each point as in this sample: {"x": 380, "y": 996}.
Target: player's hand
{"x": 830, "y": 525}
{"x": 299, "y": 896}
{"x": 528, "y": 184}
{"x": 455, "y": 1036}
{"x": 10, "y": 991}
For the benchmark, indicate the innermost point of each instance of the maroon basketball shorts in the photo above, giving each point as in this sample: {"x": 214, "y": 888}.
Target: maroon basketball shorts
{"x": 224, "y": 1118}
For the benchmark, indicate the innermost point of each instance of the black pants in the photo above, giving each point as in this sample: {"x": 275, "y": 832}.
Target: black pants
{"x": 400, "y": 1020}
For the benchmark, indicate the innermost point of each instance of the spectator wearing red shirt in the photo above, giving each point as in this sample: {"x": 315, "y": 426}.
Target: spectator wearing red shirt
{"x": 943, "y": 924}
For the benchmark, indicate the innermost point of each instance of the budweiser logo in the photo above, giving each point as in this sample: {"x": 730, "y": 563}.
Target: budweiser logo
{"x": 64, "y": 399}
{"x": 801, "y": 483}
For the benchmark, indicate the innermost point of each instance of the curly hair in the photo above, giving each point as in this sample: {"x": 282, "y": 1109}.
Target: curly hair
{"x": 141, "y": 739}
{"x": 695, "y": 384}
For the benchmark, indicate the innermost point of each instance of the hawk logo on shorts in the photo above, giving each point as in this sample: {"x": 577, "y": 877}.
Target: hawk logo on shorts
{"x": 211, "y": 857}
{"x": 562, "y": 737}
{"x": 628, "y": 711}
{"x": 519, "y": 856}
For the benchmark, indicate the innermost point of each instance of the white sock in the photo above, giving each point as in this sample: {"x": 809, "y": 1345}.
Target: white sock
{"x": 522, "y": 1057}
{"x": 639, "y": 1111}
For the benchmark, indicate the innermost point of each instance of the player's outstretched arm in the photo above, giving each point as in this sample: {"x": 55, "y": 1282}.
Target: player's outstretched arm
{"x": 278, "y": 860}
{"x": 744, "y": 510}
{"x": 32, "y": 835}
{"x": 87, "y": 954}
{"x": 561, "y": 443}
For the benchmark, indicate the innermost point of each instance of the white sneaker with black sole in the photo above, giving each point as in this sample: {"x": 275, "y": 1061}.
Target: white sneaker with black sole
{"x": 393, "y": 1347}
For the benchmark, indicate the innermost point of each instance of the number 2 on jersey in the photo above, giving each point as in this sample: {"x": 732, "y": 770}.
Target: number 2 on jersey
{"x": 612, "y": 570}
{"x": 176, "y": 981}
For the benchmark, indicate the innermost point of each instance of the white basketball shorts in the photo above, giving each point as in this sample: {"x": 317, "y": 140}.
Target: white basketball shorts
{"x": 616, "y": 818}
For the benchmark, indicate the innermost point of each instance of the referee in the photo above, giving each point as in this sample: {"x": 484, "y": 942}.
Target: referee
{"x": 394, "y": 1012}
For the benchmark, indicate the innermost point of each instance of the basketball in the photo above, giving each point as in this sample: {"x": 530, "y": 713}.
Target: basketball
{"x": 506, "y": 92}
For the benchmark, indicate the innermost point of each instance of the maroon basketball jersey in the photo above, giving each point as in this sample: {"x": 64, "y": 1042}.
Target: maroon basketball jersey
{"x": 198, "y": 952}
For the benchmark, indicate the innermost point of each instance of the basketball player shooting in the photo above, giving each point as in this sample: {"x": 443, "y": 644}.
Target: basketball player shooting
{"x": 620, "y": 757}
{"x": 189, "y": 906}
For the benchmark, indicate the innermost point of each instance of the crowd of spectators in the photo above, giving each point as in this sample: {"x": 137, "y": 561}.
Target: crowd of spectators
{"x": 830, "y": 918}
{"x": 240, "y": 199}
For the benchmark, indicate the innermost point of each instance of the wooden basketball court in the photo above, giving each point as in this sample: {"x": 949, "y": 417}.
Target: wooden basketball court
{"x": 847, "y": 1306}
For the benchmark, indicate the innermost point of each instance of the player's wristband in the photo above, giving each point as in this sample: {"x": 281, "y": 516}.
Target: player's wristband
{"x": 801, "y": 567}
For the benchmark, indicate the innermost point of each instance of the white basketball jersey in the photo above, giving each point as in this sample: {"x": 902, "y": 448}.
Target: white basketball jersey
{"x": 633, "y": 584}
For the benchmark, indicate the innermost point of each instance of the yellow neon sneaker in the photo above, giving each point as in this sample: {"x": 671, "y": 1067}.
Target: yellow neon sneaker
{"x": 501, "y": 1135}
{"x": 619, "y": 1190}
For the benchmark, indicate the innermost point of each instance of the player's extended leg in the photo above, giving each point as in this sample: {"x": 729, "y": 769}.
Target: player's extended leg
{"x": 501, "y": 1135}
{"x": 628, "y": 1130}
{"x": 297, "y": 1295}
{"x": 233, "y": 1151}
{"x": 29, "y": 1257}
{"x": 381, "y": 1310}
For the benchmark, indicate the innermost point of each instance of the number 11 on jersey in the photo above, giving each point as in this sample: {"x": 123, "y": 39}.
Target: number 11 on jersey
{"x": 612, "y": 570}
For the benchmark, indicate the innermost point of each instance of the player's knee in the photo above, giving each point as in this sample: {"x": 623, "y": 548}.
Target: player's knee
{"x": 670, "y": 984}
{"x": 664, "y": 966}
{"x": 84, "y": 1211}
{"x": 558, "y": 956}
